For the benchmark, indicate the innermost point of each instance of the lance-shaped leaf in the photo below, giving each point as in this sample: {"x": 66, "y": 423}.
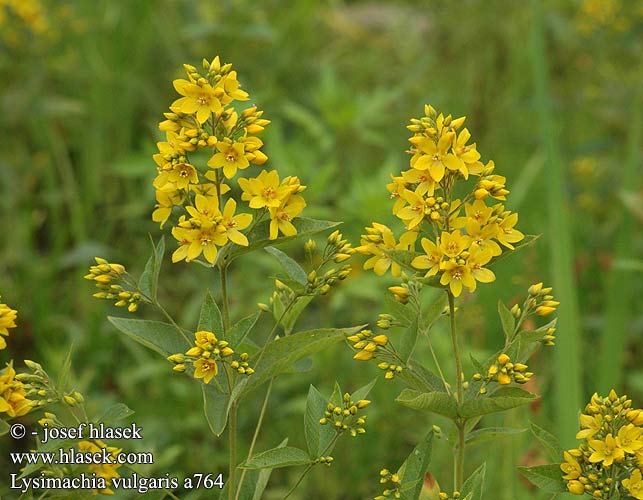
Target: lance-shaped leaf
{"x": 490, "y": 434}
{"x": 210, "y": 317}
{"x": 547, "y": 477}
{"x": 502, "y": 399}
{"x": 259, "y": 236}
{"x": 149, "y": 280}
{"x": 279, "y": 355}
{"x": 216, "y": 407}
{"x": 420, "y": 378}
{"x": 293, "y": 270}
{"x": 548, "y": 440}
{"x": 255, "y": 482}
{"x": 240, "y": 330}
{"x": 285, "y": 456}
{"x": 411, "y": 472}
{"x": 114, "y": 413}
{"x": 436, "y": 402}
{"x": 162, "y": 338}
{"x": 318, "y": 436}
{"x": 507, "y": 320}
{"x": 401, "y": 312}
{"x": 472, "y": 487}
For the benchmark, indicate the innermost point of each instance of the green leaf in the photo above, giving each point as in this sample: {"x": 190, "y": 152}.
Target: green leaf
{"x": 285, "y": 456}
{"x": 503, "y": 399}
{"x": 210, "y": 317}
{"x": 4, "y": 427}
{"x": 412, "y": 471}
{"x": 64, "y": 370}
{"x": 148, "y": 282}
{"x": 436, "y": 309}
{"x": 292, "y": 268}
{"x": 418, "y": 377}
{"x": 114, "y": 413}
{"x": 507, "y": 320}
{"x": 490, "y": 434}
{"x": 476, "y": 364}
{"x": 259, "y": 236}
{"x": 408, "y": 340}
{"x": 318, "y": 436}
{"x": 364, "y": 391}
{"x": 401, "y": 312}
{"x": 162, "y": 338}
{"x": 215, "y": 407}
{"x": 436, "y": 402}
{"x": 240, "y": 330}
{"x": 290, "y": 318}
{"x": 472, "y": 487}
{"x": 547, "y": 477}
{"x": 280, "y": 354}
{"x": 548, "y": 440}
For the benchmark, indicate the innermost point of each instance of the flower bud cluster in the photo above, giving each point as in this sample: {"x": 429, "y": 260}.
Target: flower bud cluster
{"x": 393, "y": 485}
{"x": 445, "y": 496}
{"x": 327, "y": 461}
{"x": 346, "y": 418}
{"x": 367, "y": 344}
{"x": 207, "y": 353}
{"x": 503, "y": 371}
{"x": 104, "y": 274}
{"x": 608, "y": 463}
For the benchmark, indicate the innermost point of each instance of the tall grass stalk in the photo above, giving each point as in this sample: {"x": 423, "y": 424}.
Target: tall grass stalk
{"x": 619, "y": 282}
{"x": 568, "y": 388}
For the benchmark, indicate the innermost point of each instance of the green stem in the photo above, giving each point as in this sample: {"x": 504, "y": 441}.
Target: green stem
{"x": 310, "y": 466}
{"x": 232, "y": 433}
{"x": 223, "y": 275}
{"x": 458, "y": 470}
{"x": 256, "y": 434}
{"x": 171, "y": 320}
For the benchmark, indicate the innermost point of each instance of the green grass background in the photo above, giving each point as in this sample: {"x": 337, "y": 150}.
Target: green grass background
{"x": 552, "y": 93}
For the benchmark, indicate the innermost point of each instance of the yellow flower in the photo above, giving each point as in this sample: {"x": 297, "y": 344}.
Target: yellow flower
{"x": 576, "y": 487}
{"x": 413, "y": 214}
{"x": 376, "y": 243}
{"x": 166, "y": 200}
{"x": 177, "y": 176}
{"x": 436, "y": 156}
{"x": 206, "y": 213}
{"x": 264, "y": 190}
{"x": 13, "y": 399}
{"x": 199, "y": 99}
{"x": 507, "y": 234}
{"x": 478, "y": 258}
{"x": 570, "y": 467}
{"x": 431, "y": 258}
{"x": 629, "y": 438}
{"x": 590, "y": 425}
{"x": 231, "y": 156}
{"x": 607, "y": 451}
{"x": 456, "y": 275}
{"x": 234, "y": 223}
{"x": 634, "y": 484}
{"x": 205, "y": 368}
{"x": 481, "y": 236}
{"x": 454, "y": 243}
{"x": 467, "y": 155}
{"x": 193, "y": 242}
{"x": 425, "y": 183}
{"x": 281, "y": 216}
{"x": 7, "y": 320}
{"x": 231, "y": 88}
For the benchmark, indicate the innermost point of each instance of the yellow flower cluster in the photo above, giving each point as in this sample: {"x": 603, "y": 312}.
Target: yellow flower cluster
{"x": 7, "y": 320}
{"x": 346, "y": 418}
{"x": 503, "y": 371}
{"x": 103, "y": 273}
{"x": 203, "y": 120}
{"x": 458, "y": 237}
{"x": 13, "y": 394}
{"x": 377, "y": 347}
{"x": 104, "y": 470}
{"x": 393, "y": 489}
{"x": 207, "y": 352}
{"x": 609, "y": 461}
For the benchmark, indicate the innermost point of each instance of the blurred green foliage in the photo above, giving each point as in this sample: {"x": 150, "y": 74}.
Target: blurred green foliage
{"x": 83, "y": 85}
